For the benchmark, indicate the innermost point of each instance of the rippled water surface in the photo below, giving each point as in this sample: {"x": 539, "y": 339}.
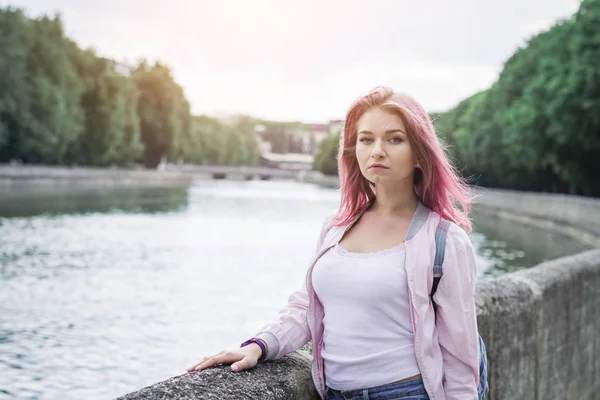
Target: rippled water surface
{"x": 104, "y": 291}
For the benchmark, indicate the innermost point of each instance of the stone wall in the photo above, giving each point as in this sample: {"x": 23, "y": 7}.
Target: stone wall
{"x": 542, "y": 330}
{"x": 541, "y": 325}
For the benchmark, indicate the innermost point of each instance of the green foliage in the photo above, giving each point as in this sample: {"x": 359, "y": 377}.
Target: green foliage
{"x": 112, "y": 125}
{"x": 164, "y": 113}
{"x": 14, "y": 48}
{"x": 326, "y": 158}
{"x": 40, "y": 112}
{"x": 60, "y": 104}
{"x": 538, "y": 126}
{"x": 213, "y": 142}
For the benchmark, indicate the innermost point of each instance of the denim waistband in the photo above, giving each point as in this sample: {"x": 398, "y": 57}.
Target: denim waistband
{"x": 397, "y": 390}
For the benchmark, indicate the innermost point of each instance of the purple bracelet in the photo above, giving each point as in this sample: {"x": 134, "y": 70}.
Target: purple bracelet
{"x": 260, "y": 344}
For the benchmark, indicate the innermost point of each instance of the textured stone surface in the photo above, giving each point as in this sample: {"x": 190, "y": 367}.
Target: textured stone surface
{"x": 568, "y": 326}
{"x": 284, "y": 379}
{"x": 542, "y": 330}
{"x": 506, "y": 319}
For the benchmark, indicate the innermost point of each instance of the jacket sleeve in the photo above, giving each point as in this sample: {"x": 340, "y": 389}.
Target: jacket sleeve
{"x": 457, "y": 317}
{"x": 289, "y": 331}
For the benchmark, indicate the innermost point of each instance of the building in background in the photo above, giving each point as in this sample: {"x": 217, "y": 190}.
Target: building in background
{"x": 289, "y": 161}
{"x": 302, "y": 138}
{"x": 335, "y": 126}
{"x": 293, "y": 147}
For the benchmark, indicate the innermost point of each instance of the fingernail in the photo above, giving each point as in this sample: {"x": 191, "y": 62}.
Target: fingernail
{"x": 234, "y": 367}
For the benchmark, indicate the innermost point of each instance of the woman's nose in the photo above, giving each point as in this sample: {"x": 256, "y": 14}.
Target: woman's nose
{"x": 377, "y": 149}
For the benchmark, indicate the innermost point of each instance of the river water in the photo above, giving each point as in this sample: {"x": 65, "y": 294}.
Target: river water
{"x": 104, "y": 291}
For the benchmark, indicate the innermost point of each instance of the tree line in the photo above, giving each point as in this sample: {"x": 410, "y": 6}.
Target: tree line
{"x": 538, "y": 126}
{"x": 60, "y": 104}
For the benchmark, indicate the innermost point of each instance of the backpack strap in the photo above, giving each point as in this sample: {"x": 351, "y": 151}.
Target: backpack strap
{"x": 440, "y": 251}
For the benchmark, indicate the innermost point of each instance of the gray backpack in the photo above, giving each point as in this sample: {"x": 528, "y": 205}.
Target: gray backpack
{"x": 440, "y": 249}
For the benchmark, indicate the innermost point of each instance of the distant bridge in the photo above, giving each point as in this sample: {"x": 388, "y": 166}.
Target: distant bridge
{"x": 39, "y": 174}
{"x": 240, "y": 172}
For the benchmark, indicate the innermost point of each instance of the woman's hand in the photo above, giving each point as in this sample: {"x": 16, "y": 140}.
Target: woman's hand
{"x": 241, "y": 358}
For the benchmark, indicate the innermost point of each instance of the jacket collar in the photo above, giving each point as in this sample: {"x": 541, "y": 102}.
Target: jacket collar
{"x": 418, "y": 220}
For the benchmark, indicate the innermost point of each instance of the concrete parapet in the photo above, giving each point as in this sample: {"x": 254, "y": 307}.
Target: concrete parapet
{"x": 283, "y": 379}
{"x": 542, "y": 330}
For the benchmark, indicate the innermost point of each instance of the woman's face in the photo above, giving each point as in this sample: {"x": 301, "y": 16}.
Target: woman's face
{"x": 383, "y": 151}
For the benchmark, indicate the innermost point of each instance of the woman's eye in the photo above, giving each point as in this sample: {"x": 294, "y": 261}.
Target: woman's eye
{"x": 396, "y": 140}
{"x": 365, "y": 140}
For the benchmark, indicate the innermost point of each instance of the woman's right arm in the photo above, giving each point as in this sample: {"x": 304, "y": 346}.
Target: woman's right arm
{"x": 289, "y": 330}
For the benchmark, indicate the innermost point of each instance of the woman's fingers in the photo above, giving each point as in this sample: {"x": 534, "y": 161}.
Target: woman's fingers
{"x": 223, "y": 358}
{"x": 244, "y": 363}
{"x": 240, "y": 359}
{"x": 193, "y": 367}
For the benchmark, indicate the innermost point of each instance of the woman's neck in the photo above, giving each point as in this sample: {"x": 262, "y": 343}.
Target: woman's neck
{"x": 394, "y": 200}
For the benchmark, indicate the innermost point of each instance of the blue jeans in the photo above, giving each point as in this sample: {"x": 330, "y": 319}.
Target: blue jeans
{"x": 409, "y": 390}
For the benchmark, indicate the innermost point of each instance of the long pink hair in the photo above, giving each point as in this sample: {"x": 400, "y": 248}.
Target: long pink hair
{"x": 437, "y": 184}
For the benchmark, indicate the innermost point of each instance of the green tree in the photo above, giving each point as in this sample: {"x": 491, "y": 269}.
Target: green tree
{"x": 41, "y": 115}
{"x": 573, "y": 103}
{"x": 213, "y": 142}
{"x": 246, "y": 140}
{"x": 164, "y": 113}
{"x": 112, "y": 125}
{"x": 55, "y": 117}
{"x": 15, "y": 38}
{"x": 538, "y": 126}
{"x": 326, "y": 158}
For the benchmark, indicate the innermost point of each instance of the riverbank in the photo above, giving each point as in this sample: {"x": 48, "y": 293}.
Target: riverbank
{"x": 30, "y": 175}
{"x": 575, "y": 216}
{"x": 35, "y": 175}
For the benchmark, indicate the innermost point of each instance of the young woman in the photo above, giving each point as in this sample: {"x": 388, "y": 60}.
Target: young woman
{"x": 365, "y": 303}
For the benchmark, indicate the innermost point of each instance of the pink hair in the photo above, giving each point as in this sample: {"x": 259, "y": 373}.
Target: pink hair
{"x": 437, "y": 184}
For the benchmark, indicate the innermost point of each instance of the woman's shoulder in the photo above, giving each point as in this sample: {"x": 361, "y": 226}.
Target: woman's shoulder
{"x": 459, "y": 249}
{"x": 458, "y": 233}
{"x": 330, "y": 216}
{"x": 457, "y": 239}
{"x": 326, "y": 226}
{"x": 455, "y": 233}
{"x": 329, "y": 220}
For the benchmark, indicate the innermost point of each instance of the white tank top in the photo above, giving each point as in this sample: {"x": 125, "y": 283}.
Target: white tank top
{"x": 368, "y": 335}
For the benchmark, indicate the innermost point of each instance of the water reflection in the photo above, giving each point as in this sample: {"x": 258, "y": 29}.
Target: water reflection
{"x": 506, "y": 246}
{"x": 31, "y": 201}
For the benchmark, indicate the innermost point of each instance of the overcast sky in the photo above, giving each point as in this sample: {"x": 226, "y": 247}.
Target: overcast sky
{"x": 309, "y": 59}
